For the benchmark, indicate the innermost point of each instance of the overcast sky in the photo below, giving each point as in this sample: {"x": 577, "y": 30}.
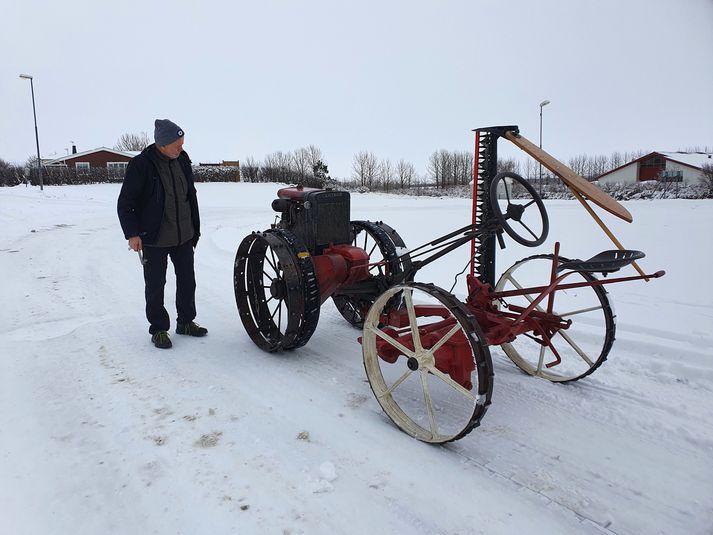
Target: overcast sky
{"x": 400, "y": 79}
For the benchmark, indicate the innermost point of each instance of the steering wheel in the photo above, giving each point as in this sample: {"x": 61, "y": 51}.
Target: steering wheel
{"x": 514, "y": 214}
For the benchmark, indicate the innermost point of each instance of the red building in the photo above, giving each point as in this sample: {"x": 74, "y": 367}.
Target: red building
{"x": 113, "y": 160}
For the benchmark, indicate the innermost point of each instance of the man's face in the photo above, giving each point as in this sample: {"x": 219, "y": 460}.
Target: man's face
{"x": 173, "y": 150}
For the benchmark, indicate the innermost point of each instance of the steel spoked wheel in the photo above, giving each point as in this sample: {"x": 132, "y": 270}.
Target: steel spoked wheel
{"x": 574, "y": 352}
{"x": 429, "y": 368}
{"x": 520, "y": 220}
{"x": 388, "y": 257}
{"x": 276, "y": 290}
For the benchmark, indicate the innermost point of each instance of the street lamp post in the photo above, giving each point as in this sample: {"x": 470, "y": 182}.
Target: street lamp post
{"x": 542, "y": 105}
{"x": 37, "y": 136}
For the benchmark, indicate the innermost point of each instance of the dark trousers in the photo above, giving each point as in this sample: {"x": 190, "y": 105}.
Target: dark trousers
{"x": 156, "y": 263}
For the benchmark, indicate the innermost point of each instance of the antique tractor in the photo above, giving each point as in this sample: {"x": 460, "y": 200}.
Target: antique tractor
{"x": 426, "y": 353}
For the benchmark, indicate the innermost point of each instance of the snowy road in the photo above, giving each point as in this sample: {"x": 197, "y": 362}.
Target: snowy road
{"x": 102, "y": 433}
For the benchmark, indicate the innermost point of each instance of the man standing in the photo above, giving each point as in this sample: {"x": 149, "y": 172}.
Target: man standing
{"x": 158, "y": 212}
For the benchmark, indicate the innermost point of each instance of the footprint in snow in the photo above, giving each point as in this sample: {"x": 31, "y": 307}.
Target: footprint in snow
{"x": 356, "y": 400}
{"x": 209, "y": 441}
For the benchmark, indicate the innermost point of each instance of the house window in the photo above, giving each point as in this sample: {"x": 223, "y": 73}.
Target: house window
{"x": 671, "y": 176}
{"x": 116, "y": 168}
{"x": 82, "y": 167}
{"x": 656, "y": 161}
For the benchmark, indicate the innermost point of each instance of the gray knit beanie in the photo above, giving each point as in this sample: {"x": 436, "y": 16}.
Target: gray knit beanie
{"x": 166, "y": 132}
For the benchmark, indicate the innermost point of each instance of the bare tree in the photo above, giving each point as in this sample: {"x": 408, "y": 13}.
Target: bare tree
{"x": 463, "y": 167}
{"x": 634, "y": 155}
{"x": 279, "y": 167}
{"x": 405, "y": 173}
{"x": 435, "y": 172}
{"x": 600, "y": 165}
{"x": 440, "y": 168}
{"x": 315, "y": 155}
{"x": 578, "y": 164}
{"x": 133, "y": 142}
{"x": 386, "y": 174}
{"x": 447, "y": 167}
{"x": 365, "y": 168}
{"x": 616, "y": 160}
{"x": 250, "y": 170}
{"x": 531, "y": 169}
{"x": 510, "y": 165}
{"x": 302, "y": 164}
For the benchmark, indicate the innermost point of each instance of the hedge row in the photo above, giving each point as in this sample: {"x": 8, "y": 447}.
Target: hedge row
{"x": 61, "y": 176}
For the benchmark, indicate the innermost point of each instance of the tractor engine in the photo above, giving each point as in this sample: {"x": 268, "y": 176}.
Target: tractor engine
{"x": 320, "y": 219}
{"x": 282, "y": 275}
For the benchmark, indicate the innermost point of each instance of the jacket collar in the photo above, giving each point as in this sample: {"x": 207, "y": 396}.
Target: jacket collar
{"x": 151, "y": 152}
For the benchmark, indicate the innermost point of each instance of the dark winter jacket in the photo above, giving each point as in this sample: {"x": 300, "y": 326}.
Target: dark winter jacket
{"x": 142, "y": 198}
{"x": 176, "y": 225}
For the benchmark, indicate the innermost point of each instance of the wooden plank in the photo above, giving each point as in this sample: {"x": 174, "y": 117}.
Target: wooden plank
{"x": 570, "y": 178}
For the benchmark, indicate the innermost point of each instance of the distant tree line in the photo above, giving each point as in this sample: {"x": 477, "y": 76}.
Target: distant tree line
{"x": 368, "y": 172}
{"x": 302, "y": 166}
{"x": 306, "y": 165}
{"x": 13, "y": 175}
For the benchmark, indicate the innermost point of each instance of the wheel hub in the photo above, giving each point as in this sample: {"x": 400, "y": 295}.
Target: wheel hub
{"x": 425, "y": 359}
{"x": 278, "y": 290}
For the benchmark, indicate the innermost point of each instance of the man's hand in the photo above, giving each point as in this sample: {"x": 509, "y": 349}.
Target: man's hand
{"x": 135, "y": 243}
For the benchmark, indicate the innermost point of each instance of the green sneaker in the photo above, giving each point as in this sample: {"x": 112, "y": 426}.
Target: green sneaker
{"x": 191, "y": 329}
{"x": 161, "y": 340}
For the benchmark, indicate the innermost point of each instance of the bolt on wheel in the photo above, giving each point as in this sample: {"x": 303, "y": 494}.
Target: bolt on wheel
{"x": 571, "y": 353}
{"x": 428, "y": 365}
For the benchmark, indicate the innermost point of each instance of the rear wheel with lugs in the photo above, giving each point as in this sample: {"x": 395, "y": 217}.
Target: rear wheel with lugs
{"x": 276, "y": 290}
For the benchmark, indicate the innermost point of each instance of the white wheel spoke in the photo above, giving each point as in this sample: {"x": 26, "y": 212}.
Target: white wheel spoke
{"x": 526, "y": 296}
{"x": 574, "y": 346}
{"x": 581, "y": 311}
{"x": 516, "y": 284}
{"x": 429, "y": 403}
{"x": 408, "y": 297}
{"x": 450, "y": 382}
{"x": 542, "y": 358}
{"x": 395, "y": 385}
{"x": 445, "y": 338}
{"x": 398, "y": 345}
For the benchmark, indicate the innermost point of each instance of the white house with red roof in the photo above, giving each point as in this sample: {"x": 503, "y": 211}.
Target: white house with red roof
{"x": 684, "y": 167}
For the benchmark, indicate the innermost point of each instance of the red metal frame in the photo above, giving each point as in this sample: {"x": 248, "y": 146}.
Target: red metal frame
{"x": 498, "y": 325}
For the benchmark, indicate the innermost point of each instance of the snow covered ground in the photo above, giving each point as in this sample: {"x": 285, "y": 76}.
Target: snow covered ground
{"x": 103, "y": 433}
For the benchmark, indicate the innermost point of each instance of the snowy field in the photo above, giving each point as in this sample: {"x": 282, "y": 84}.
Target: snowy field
{"x": 103, "y": 434}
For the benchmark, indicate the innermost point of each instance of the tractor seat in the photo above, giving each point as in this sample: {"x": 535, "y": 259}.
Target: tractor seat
{"x": 604, "y": 262}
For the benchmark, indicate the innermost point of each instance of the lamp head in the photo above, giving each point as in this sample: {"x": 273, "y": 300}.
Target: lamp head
{"x": 26, "y": 76}
{"x": 544, "y": 103}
